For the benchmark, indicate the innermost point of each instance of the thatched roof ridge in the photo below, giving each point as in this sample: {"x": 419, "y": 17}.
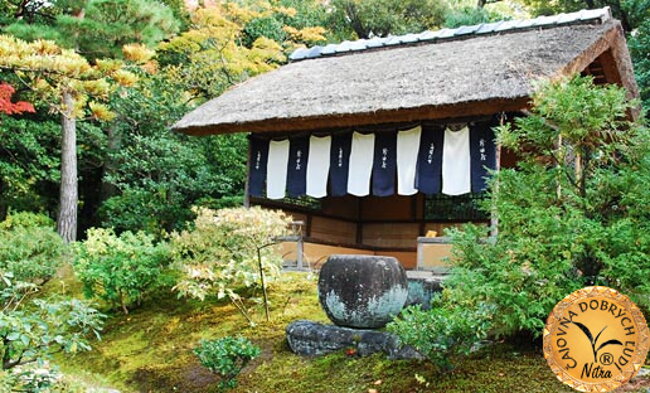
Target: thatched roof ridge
{"x": 599, "y": 15}
{"x": 482, "y": 75}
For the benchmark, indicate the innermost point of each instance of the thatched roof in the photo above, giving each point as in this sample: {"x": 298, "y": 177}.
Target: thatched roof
{"x": 480, "y": 74}
{"x": 501, "y": 27}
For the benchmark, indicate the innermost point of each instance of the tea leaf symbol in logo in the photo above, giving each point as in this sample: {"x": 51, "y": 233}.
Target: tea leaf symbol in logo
{"x": 594, "y": 340}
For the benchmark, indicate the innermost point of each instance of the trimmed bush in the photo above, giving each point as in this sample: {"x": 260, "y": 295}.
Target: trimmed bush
{"x": 226, "y": 357}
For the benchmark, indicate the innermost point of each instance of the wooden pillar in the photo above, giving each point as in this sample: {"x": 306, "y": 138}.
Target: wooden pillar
{"x": 247, "y": 198}
{"x": 300, "y": 251}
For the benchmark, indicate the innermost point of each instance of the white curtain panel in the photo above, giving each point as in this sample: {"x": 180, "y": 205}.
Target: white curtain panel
{"x": 456, "y": 167}
{"x": 361, "y": 157}
{"x": 276, "y": 169}
{"x": 408, "y": 145}
{"x": 318, "y": 166}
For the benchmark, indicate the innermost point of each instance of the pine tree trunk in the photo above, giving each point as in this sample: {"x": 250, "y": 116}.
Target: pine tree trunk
{"x": 69, "y": 193}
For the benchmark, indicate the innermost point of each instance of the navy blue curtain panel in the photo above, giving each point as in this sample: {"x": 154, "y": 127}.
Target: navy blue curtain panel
{"x": 428, "y": 177}
{"x": 340, "y": 163}
{"x": 384, "y": 164}
{"x": 258, "y": 160}
{"x": 297, "y": 166}
{"x": 482, "y": 151}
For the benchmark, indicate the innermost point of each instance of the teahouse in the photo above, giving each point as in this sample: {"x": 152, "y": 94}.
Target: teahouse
{"x": 374, "y": 144}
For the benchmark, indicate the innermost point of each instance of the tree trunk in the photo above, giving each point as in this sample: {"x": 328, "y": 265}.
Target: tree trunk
{"x": 69, "y": 191}
{"x": 355, "y": 21}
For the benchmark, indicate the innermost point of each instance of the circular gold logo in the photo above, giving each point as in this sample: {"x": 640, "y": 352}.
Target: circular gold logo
{"x": 595, "y": 339}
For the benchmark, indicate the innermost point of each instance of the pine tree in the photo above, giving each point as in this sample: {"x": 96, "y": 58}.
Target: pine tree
{"x": 74, "y": 89}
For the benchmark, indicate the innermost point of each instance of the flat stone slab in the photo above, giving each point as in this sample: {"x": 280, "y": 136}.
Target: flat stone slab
{"x": 314, "y": 338}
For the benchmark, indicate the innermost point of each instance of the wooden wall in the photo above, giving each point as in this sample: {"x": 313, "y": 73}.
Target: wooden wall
{"x": 388, "y": 224}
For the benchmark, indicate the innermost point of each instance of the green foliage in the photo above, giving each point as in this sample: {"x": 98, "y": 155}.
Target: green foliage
{"x": 369, "y": 18}
{"x": 108, "y": 25}
{"x": 226, "y": 357}
{"x": 220, "y": 255}
{"x": 29, "y": 158}
{"x": 31, "y": 332}
{"x": 180, "y": 170}
{"x": 105, "y": 27}
{"x": 573, "y": 213}
{"x": 639, "y": 43}
{"x": 30, "y": 247}
{"x": 433, "y": 335}
{"x": 217, "y": 53}
{"x": 122, "y": 269}
{"x": 468, "y": 16}
{"x": 629, "y": 12}
{"x": 20, "y": 220}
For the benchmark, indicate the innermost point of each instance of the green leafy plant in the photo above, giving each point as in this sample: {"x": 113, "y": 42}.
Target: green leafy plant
{"x": 226, "y": 357}
{"x": 573, "y": 213}
{"x": 120, "y": 269}
{"x": 32, "y": 331}
{"x": 229, "y": 250}
{"x": 30, "y": 247}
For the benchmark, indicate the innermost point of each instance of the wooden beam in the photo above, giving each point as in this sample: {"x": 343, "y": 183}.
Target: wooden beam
{"x": 466, "y": 109}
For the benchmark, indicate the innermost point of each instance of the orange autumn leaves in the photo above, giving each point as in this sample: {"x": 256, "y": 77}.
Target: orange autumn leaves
{"x": 12, "y": 108}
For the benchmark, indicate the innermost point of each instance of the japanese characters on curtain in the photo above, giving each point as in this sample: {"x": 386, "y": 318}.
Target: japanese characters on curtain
{"x": 431, "y": 159}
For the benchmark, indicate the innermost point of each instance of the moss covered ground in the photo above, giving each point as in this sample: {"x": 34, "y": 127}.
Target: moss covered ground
{"x": 149, "y": 350}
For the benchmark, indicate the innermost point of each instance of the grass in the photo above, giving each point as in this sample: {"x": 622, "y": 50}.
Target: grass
{"x": 149, "y": 350}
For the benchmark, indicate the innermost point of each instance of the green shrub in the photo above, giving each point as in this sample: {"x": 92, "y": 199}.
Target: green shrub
{"x": 145, "y": 210}
{"x": 571, "y": 214}
{"x": 226, "y": 357}
{"x": 26, "y": 220}
{"x": 32, "y": 331}
{"x": 30, "y": 248}
{"x": 220, "y": 255}
{"x": 120, "y": 269}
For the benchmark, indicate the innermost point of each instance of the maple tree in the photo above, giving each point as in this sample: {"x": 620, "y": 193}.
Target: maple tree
{"x": 12, "y": 108}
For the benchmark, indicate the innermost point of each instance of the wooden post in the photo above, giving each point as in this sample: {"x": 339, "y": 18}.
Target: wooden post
{"x": 300, "y": 252}
{"x": 247, "y": 198}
